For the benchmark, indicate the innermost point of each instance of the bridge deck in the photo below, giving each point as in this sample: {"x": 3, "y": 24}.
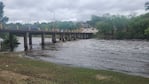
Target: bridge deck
{"x": 38, "y": 32}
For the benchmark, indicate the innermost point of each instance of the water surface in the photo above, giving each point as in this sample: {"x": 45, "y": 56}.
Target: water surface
{"x": 131, "y": 57}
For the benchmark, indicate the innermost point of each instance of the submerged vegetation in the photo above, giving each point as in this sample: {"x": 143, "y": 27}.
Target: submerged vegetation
{"x": 15, "y": 69}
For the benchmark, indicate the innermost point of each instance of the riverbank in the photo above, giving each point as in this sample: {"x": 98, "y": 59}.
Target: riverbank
{"x": 15, "y": 69}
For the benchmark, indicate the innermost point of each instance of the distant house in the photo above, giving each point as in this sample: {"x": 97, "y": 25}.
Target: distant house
{"x": 85, "y": 27}
{"x": 89, "y": 30}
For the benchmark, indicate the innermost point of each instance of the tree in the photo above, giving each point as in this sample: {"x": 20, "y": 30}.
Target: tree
{"x": 147, "y": 33}
{"x": 147, "y": 5}
{"x": 3, "y": 20}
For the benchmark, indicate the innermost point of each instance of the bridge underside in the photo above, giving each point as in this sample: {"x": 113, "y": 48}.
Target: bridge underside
{"x": 63, "y": 36}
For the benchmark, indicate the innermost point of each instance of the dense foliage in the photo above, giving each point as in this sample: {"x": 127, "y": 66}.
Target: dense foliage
{"x": 121, "y": 27}
{"x": 4, "y": 36}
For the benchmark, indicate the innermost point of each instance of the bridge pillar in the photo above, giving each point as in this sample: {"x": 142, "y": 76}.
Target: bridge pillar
{"x": 53, "y": 38}
{"x": 84, "y": 36}
{"x": 25, "y": 42}
{"x": 69, "y": 37}
{"x": 62, "y": 37}
{"x": 30, "y": 41}
{"x": 90, "y": 35}
{"x": 11, "y": 42}
{"x": 78, "y": 36}
{"x": 42, "y": 40}
{"x": 74, "y": 36}
{"x": 87, "y": 36}
{"x": 66, "y": 37}
{"x": 81, "y": 36}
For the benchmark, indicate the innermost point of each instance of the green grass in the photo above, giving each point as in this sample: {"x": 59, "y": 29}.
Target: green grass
{"x": 39, "y": 72}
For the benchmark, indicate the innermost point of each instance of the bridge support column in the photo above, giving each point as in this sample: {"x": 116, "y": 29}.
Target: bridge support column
{"x": 62, "y": 37}
{"x": 84, "y": 36}
{"x": 69, "y": 37}
{"x": 30, "y": 41}
{"x": 78, "y": 36}
{"x": 42, "y": 40}
{"x": 25, "y": 42}
{"x": 87, "y": 35}
{"x": 65, "y": 37}
{"x": 90, "y": 35}
{"x": 53, "y": 38}
{"x": 11, "y": 42}
{"x": 73, "y": 36}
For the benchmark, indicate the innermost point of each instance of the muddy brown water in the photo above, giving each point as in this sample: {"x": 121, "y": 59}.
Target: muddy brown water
{"x": 131, "y": 57}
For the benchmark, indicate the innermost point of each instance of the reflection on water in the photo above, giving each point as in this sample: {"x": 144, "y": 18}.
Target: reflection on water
{"x": 123, "y": 56}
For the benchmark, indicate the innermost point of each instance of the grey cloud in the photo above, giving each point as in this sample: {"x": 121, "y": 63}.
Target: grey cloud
{"x": 43, "y": 10}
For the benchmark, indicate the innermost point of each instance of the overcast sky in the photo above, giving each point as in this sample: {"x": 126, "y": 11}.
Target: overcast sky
{"x": 74, "y": 10}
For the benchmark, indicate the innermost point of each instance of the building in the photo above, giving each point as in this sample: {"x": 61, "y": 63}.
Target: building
{"x": 85, "y": 27}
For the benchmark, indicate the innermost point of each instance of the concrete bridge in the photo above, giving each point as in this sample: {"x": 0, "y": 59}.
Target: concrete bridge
{"x": 63, "y": 36}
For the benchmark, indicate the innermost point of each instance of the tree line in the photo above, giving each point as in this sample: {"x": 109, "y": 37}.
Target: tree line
{"x": 61, "y": 25}
{"x": 121, "y": 27}
{"x": 5, "y": 36}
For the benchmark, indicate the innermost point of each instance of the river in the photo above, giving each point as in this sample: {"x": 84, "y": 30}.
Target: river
{"x": 131, "y": 57}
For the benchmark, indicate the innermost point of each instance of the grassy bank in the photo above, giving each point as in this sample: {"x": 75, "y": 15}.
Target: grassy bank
{"x": 19, "y": 70}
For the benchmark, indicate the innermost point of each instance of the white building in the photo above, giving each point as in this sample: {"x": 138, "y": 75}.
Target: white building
{"x": 89, "y": 30}
{"x": 86, "y": 28}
